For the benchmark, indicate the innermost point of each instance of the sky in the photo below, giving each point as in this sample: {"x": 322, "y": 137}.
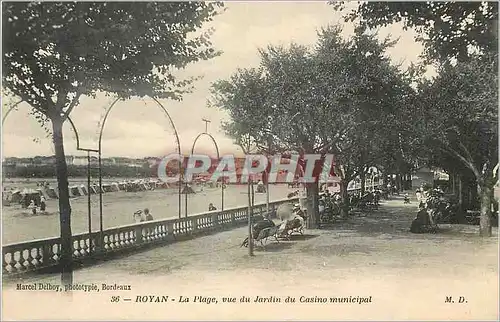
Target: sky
{"x": 138, "y": 128}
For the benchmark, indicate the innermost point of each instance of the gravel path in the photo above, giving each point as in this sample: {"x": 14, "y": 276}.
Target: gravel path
{"x": 407, "y": 276}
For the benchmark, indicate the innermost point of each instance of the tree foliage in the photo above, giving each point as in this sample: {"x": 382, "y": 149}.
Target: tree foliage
{"x": 447, "y": 29}
{"x": 340, "y": 97}
{"x": 57, "y": 51}
{"x": 460, "y": 109}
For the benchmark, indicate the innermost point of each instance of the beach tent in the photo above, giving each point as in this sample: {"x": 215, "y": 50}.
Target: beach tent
{"x": 53, "y": 193}
{"x": 31, "y": 194}
{"x": 74, "y": 191}
{"x": 16, "y": 195}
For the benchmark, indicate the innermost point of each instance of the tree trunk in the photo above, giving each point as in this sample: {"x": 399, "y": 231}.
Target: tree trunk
{"x": 460, "y": 193}
{"x": 344, "y": 209}
{"x": 66, "y": 260}
{"x": 486, "y": 194}
{"x": 385, "y": 179}
{"x": 453, "y": 183}
{"x": 475, "y": 199}
{"x": 398, "y": 182}
{"x": 362, "y": 176}
{"x": 408, "y": 181}
{"x": 312, "y": 190}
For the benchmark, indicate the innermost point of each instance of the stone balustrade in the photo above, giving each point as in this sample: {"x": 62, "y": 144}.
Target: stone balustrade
{"x": 43, "y": 253}
{"x": 32, "y": 255}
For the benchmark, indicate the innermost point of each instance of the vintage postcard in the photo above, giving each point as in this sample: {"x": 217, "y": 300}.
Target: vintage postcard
{"x": 250, "y": 160}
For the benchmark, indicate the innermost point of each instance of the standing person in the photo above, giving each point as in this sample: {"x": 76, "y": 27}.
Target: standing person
{"x": 211, "y": 207}
{"x": 138, "y": 216}
{"x": 418, "y": 194}
{"x": 42, "y": 203}
{"x": 148, "y": 215}
{"x": 32, "y": 206}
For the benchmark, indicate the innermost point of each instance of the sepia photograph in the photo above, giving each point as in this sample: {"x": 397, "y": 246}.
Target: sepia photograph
{"x": 250, "y": 160}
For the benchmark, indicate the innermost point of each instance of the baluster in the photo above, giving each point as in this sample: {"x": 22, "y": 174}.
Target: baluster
{"x": 85, "y": 247}
{"x": 29, "y": 260}
{"x": 161, "y": 231}
{"x": 155, "y": 232}
{"x": 38, "y": 257}
{"x": 20, "y": 262}
{"x": 233, "y": 219}
{"x": 110, "y": 241}
{"x": 194, "y": 226}
{"x": 76, "y": 248}
{"x": 170, "y": 231}
{"x": 149, "y": 232}
{"x": 121, "y": 236}
{"x": 215, "y": 221}
{"x": 138, "y": 235}
{"x": 129, "y": 238}
{"x": 116, "y": 237}
{"x": 105, "y": 242}
{"x": 58, "y": 251}
{"x": 8, "y": 262}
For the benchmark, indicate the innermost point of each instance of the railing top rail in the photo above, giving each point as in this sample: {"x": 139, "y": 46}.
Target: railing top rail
{"x": 33, "y": 242}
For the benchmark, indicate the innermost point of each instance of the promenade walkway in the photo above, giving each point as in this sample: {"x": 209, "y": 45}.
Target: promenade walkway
{"x": 408, "y": 276}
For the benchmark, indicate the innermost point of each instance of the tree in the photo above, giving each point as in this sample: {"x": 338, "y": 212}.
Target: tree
{"x": 272, "y": 103}
{"x": 459, "y": 109}
{"x": 447, "y": 29}
{"x": 321, "y": 100}
{"x": 368, "y": 110}
{"x": 459, "y": 116}
{"x": 53, "y": 53}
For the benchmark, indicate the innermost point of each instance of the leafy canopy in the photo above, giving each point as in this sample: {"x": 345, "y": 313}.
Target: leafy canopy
{"x": 339, "y": 97}
{"x": 447, "y": 29}
{"x": 53, "y": 52}
{"x": 459, "y": 111}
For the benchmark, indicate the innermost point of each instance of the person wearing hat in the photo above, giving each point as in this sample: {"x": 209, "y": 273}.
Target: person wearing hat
{"x": 148, "y": 215}
{"x": 138, "y": 216}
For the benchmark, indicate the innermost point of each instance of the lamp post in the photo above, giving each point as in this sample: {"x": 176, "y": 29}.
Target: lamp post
{"x": 250, "y": 210}
{"x": 267, "y": 174}
{"x": 185, "y": 198}
{"x": 89, "y": 208}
